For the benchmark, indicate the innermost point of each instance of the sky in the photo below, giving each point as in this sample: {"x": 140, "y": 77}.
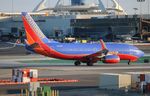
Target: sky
{"x": 29, "y": 5}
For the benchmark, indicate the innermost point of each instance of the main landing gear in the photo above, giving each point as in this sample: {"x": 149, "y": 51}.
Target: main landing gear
{"x": 129, "y": 62}
{"x": 77, "y": 63}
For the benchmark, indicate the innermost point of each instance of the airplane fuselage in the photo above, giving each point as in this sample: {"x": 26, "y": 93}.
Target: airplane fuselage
{"x": 74, "y": 51}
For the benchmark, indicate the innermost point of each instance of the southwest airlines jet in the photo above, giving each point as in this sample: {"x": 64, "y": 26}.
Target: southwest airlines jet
{"x": 110, "y": 53}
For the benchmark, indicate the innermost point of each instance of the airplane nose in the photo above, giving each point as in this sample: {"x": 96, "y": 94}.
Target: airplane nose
{"x": 140, "y": 53}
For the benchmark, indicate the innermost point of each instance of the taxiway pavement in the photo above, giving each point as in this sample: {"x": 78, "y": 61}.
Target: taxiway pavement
{"x": 87, "y": 75}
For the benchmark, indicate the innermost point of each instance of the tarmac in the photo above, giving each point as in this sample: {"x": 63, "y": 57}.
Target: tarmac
{"x": 88, "y": 76}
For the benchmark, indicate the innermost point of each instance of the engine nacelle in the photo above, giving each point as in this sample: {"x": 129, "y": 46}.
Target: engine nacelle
{"x": 111, "y": 59}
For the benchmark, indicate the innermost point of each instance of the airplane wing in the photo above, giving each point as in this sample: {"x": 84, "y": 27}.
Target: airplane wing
{"x": 101, "y": 54}
{"x": 103, "y": 51}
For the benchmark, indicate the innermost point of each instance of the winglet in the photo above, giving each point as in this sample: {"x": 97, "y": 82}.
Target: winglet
{"x": 103, "y": 44}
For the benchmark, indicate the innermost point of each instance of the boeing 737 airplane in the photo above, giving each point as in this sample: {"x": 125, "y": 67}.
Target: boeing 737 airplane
{"x": 110, "y": 53}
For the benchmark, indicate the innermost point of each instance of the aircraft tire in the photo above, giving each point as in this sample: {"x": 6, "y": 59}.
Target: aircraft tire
{"x": 89, "y": 63}
{"x": 77, "y": 63}
{"x": 129, "y": 62}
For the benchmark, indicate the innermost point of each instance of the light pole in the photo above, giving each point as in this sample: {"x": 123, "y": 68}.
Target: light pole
{"x": 107, "y": 3}
{"x": 12, "y": 9}
{"x": 118, "y": 7}
{"x": 140, "y": 1}
{"x": 148, "y": 9}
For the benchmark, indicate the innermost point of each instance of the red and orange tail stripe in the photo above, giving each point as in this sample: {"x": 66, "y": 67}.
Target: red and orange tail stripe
{"x": 31, "y": 36}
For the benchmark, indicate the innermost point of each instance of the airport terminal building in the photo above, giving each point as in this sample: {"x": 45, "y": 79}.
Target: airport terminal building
{"x": 111, "y": 27}
{"x": 79, "y": 20}
{"x": 108, "y": 28}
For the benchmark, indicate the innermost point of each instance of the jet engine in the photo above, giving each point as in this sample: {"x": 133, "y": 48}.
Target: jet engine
{"x": 111, "y": 59}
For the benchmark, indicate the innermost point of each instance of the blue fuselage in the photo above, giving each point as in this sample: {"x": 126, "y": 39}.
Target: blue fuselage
{"x": 87, "y": 48}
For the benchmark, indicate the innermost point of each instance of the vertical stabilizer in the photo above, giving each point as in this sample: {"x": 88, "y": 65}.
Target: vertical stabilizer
{"x": 33, "y": 32}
